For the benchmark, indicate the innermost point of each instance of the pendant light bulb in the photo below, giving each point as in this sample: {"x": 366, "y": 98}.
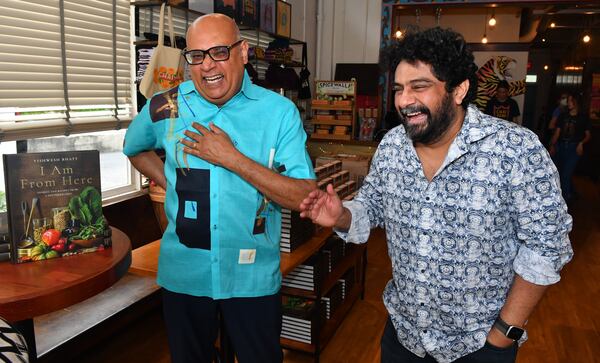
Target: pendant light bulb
{"x": 484, "y": 40}
{"x": 586, "y": 38}
{"x": 492, "y": 21}
{"x": 398, "y": 33}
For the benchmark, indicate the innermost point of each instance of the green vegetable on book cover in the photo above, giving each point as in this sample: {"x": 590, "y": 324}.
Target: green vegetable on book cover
{"x": 87, "y": 207}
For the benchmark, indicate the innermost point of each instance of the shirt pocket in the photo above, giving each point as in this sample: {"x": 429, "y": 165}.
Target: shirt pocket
{"x": 193, "y": 210}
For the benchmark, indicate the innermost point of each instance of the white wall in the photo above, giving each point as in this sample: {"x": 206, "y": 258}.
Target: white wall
{"x": 350, "y": 32}
{"x": 304, "y": 27}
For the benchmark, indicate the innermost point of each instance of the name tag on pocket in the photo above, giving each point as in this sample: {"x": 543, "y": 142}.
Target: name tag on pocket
{"x": 247, "y": 256}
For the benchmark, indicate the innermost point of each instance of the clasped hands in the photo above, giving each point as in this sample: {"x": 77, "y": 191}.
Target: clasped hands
{"x": 210, "y": 144}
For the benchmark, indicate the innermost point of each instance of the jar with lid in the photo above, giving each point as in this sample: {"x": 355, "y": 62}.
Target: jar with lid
{"x": 40, "y": 225}
{"x": 61, "y": 218}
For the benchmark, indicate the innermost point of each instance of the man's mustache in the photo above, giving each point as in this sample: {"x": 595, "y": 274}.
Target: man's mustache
{"x": 404, "y": 112}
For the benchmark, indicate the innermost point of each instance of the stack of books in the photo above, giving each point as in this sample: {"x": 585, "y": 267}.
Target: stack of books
{"x": 306, "y": 276}
{"x": 297, "y": 329}
{"x": 294, "y": 230}
{"x": 345, "y": 189}
{"x": 347, "y": 282}
{"x": 333, "y": 251}
{"x": 4, "y": 250}
{"x": 298, "y": 320}
{"x": 333, "y": 300}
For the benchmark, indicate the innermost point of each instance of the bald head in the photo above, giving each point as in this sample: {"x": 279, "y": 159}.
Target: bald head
{"x": 217, "y": 34}
{"x": 215, "y": 21}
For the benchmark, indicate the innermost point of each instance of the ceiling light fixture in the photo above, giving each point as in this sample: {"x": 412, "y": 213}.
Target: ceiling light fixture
{"x": 543, "y": 40}
{"x": 398, "y": 33}
{"x": 586, "y": 38}
{"x": 484, "y": 40}
{"x": 546, "y": 67}
{"x": 492, "y": 21}
{"x": 552, "y": 25}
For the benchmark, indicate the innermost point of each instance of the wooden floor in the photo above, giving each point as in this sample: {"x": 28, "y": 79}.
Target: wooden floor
{"x": 565, "y": 328}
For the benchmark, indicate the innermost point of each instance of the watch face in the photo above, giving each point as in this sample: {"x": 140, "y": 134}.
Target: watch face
{"x": 514, "y": 333}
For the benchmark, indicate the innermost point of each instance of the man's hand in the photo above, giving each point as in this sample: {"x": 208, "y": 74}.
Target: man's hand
{"x": 324, "y": 208}
{"x": 212, "y": 145}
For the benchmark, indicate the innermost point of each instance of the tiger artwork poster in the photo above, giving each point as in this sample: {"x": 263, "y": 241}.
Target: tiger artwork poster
{"x": 495, "y": 67}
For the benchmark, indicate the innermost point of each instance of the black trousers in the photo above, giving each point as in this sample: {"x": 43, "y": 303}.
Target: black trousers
{"x": 253, "y": 324}
{"x": 393, "y": 352}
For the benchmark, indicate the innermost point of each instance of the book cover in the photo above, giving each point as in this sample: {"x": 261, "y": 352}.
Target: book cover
{"x": 54, "y": 204}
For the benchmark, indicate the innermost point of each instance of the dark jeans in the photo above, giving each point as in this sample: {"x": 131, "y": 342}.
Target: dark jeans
{"x": 253, "y": 324}
{"x": 393, "y": 352}
{"x": 566, "y": 159}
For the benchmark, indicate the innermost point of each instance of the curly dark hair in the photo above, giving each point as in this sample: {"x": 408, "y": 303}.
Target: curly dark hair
{"x": 445, "y": 50}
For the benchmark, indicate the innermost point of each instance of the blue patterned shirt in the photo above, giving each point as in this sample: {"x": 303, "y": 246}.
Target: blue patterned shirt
{"x": 493, "y": 209}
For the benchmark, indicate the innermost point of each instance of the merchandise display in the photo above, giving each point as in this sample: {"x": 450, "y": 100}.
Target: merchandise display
{"x": 334, "y": 110}
{"x": 321, "y": 288}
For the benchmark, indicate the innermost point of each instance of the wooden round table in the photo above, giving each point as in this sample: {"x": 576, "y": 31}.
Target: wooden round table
{"x": 37, "y": 288}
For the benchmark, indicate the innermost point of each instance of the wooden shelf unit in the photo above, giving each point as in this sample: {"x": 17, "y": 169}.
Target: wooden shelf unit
{"x": 355, "y": 257}
{"x": 334, "y": 110}
{"x": 332, "y": 107}
{"x": 290, "y": 261}
{"x": 346, "y": 263}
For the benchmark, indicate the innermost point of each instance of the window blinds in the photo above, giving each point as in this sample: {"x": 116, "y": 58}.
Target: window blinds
{"x": 65, "y": 67}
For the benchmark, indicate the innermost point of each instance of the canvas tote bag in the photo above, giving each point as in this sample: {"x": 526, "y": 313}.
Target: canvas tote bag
{"x": 166, "y": 67}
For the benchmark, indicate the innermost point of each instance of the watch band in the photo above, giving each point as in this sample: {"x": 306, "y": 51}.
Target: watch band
{"x": 510, "y": 331}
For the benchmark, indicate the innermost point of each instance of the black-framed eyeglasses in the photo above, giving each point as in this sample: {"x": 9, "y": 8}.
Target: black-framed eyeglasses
{"x": 219, "y": 53}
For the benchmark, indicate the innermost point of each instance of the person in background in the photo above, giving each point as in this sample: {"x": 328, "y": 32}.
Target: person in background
{"x": 235, "y": 155}
{"x": 558, "y": 110}
{"x": 561, "y": 106}
{"x": 475, "y": 224}
{"x": 502, "y": 106}
{"x": 571, "y": 133}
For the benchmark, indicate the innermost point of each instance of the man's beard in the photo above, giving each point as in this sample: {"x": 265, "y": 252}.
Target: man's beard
{"x": 436, "y": 125}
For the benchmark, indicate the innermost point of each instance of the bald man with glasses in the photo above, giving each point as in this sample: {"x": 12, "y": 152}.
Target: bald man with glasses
{"x": 235, "y": 155}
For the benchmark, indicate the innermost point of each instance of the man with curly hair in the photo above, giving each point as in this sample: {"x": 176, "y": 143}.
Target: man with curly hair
{"x": 476, "y": 227}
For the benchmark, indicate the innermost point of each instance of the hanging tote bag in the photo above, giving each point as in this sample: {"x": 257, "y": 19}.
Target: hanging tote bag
{"x": 166, "y": 67}
{"x": 304, "y": 92}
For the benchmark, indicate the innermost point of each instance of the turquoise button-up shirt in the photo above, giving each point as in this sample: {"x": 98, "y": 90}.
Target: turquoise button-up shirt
{"x": 211, "y": 235}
